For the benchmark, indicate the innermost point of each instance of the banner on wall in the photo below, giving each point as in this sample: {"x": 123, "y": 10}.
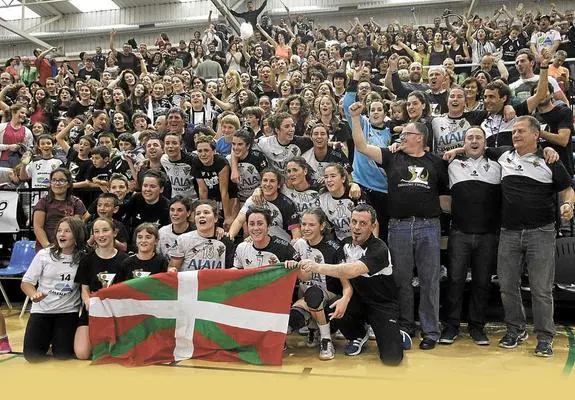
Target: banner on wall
{"x": 8, "y": 204}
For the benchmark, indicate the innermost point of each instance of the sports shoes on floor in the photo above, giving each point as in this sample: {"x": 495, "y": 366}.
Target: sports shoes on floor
{"x": 5, "y": 346}
{"x": 427, "y": 344}
{"x": 370, "y": 332}
{"x": 312, "y": 338}
{"x": 326, "y": 350}
{"x": 355, "y": 346}
{"x": 407, "y": 342}
{"x": 544, "y": 348}
{"x": 512, "y": 340}
{"x": 303, "y": 330}
{"x": 448, "y": 335}
{"x": 479, "y": 337}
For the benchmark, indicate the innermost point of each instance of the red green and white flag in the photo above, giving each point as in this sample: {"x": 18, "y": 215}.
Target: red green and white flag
{"x": 217, "y": 315}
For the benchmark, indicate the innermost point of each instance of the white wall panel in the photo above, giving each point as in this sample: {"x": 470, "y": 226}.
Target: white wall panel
{"x": 11, "y": 45}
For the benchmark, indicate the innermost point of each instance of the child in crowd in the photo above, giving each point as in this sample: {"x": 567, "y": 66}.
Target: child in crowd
{"x": 107, "y": 207}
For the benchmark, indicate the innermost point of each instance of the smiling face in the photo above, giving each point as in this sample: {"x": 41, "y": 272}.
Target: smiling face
{"x": 104, "y": 234}
{"x": 333, "y": 180}
{"x": 119, "y": 121}
{"x": 153, "y": 149}
{"x": 45, "y": 146}
{"x": 456, "y": 102}
{"x": 146, "y": 242}
{"x": 151, "y": 189}
{"x": 270, "y": 185}
{"x": 119, "y": 188}
{"x": 257, "y": 227}
{"x": 173, "y": 147}
{"x": 285, "y": 132}
{"x": 311, "y": 228}
{"x": 319, "y": 136}
{"x": 414, "y": 107}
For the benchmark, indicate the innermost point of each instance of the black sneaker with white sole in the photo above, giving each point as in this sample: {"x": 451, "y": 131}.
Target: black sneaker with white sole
{"x": 448, "y": 335}
{"x": 511, "y": 340}
{"x": 544, "y": 348}
{"x": 479, "y": 337}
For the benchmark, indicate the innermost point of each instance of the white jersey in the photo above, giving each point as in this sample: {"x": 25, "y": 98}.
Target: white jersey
{"x": 247, "y": 256}
{"x": 203, "y": 253}
{"x": 338, "y": 212}
{"x": 181, "y": 175}
{"x": 279, "y": 155}
{"x": 55, "y": 278}
{"x": 304, "y": 199}
{"x": 307, "y": 252}
{"x": 39, "y": 173}
{"x": 168, "y": 241}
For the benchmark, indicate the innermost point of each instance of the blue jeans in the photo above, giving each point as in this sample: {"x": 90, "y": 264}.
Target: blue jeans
{"x": 536, "y": 248}
{"x": 414, "y": 243}
{"x": 478, "y": 252}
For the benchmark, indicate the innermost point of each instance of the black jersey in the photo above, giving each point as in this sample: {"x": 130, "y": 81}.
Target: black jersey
{"x": 97, "y": 272}
{"x": 326, "y": 252}
{"x": 132, "y": 267}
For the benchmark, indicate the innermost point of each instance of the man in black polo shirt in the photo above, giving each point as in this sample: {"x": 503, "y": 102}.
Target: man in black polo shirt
{"x": 529, "y": 186}
{"x": 475, "y": 184}
{"x": 416, "y": 181}
{"x": 367, "y": 264}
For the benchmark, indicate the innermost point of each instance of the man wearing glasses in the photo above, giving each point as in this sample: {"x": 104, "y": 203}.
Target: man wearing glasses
{"x": 416, "y": 181}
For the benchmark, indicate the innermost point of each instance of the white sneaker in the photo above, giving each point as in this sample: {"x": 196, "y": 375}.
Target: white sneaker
{"x": 338, "y": 335}
{"x": 370, "y": 332}
{"x": 326, "y": 350}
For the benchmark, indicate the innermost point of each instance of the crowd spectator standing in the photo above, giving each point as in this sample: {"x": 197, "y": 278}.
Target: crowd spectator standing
{"x": 208, "y": 117}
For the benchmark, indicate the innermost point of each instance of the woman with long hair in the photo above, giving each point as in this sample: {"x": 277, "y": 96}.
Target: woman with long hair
{"x": 15, "y": 138}
{"x": 301, "y": 187}
{"x": 297, "y": 108}
{"x": 42, "y": 109}
{"x": 180, "y": 215}
{"x": 473, "y": 94}
{"x": 105, "y": 101}
{"x": 285, "y": 222}
{"x": 49, "y": 283}
{"x": 52, "y": 208}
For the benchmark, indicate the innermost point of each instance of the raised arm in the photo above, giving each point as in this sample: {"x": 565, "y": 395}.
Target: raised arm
{"x": 43, "y": 54}
{"x": 359, "y": 141}
{"x": 112, "y": 36}
{"x": 542, "y": 85}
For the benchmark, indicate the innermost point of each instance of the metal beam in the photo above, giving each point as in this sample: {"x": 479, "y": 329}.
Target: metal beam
{"x": 224, "y": 10}
{"x": 25, "y": 35}
{"x": 33, "y": 3}
{"x": 42, "y": 24}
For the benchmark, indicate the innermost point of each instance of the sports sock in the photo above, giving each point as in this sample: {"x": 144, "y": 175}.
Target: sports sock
{"x": 4, "y": 337}
{"x": 324, "y": 331}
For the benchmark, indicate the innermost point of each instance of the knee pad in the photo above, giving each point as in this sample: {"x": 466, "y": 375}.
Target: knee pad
{"x": 314, "y": 298}
{"x": 298, "y": 318}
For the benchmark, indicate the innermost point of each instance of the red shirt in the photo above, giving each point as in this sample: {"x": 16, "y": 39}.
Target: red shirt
{"x": 12, "y": 136}
{"x": 44, "y": 70}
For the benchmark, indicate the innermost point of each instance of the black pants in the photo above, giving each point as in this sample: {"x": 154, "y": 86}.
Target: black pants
{"x": 478, "y": 252}
{"x": 44, "y": 330}
{"x": 378, "y": 200}
{"x": 387, "y": 335}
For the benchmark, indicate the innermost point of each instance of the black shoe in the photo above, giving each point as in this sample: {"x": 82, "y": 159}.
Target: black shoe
{"x": 448, "y": 335}
{"x": 544, "y": 348}
{"x": 512, "y": 340}
{"x": 427, "y": 344}
{"x": 479, "y": 337}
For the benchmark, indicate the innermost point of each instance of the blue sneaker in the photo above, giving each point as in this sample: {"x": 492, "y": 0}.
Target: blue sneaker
{"x": 355, "y": 346}
{"x": 407, "y": 342}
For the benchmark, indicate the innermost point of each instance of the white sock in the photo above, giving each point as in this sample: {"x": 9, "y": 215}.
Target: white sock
{"x": 324, "y": 331}
{"x": 4, "y": 337}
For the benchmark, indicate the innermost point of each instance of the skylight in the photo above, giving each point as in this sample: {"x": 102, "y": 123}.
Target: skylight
{"x": 14, "y": 13}
{"x": 91, "y": 5}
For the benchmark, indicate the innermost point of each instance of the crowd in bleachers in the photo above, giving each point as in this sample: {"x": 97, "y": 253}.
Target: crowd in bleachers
{"x": 163, "y": 147}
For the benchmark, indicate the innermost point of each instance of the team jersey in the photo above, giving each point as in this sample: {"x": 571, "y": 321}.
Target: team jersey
{"x": 284, "y": 215}
{"x": 132, "y": 267}
{"x": 248, "y": 256}
{"x": 250, "y": 169}
{"x": 325, "y": 251}
{"x": 332, "y": 156}
{"x": 169, "y": 240}
{"x": 39, "y": 173}
{"x": 338, "y": 211}
{"x": 181, "y": 175}
{"x": 279, "y": 155}
{"x": 304, "y": 199}
{"x": 55, "y": 278}
{"x": 203, "y": 253}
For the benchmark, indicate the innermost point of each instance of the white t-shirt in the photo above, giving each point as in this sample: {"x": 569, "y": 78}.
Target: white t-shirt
{"x": 56, "y": 279}
{"x": 544, "y": 39}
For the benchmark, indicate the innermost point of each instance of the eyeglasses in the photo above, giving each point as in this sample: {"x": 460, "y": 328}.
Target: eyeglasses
{"x": 59, "y": 181}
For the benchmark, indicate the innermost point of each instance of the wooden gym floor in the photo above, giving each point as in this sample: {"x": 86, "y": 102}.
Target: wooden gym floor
{"x": 462, "y": 370}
